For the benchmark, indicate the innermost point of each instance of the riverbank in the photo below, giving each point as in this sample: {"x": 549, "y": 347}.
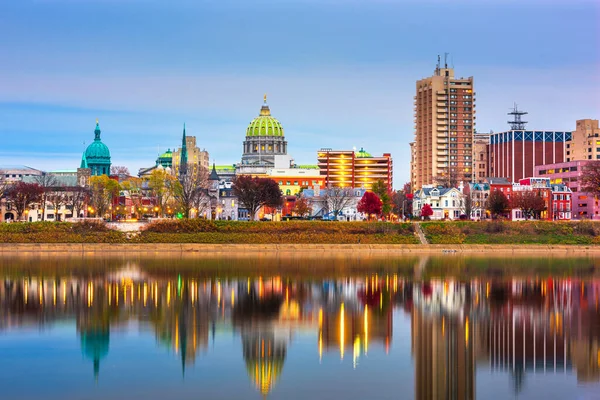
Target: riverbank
{"x": 153, "y": 249}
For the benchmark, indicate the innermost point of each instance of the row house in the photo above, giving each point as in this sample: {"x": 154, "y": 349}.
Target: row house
{"x": 446, "y": 203}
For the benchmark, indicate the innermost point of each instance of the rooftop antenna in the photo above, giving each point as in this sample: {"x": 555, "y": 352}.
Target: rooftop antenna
{"x": 437, "y": 66}
{"x": 446, "y": 60}
{"x": 517, "y": 124}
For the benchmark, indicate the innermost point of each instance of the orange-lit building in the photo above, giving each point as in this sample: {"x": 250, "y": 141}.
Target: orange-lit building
{"x": 355, "y": 169}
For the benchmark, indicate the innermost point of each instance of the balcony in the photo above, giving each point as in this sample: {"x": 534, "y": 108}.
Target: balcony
{"x": 442, "y": 122}
{"x": 441, "y": 140}
{"x": 442, "y": 116}
{"x": 442, "y": 129}
{"x": 441, "y": 104}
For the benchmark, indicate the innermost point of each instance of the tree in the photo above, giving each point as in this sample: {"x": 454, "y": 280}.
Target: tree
{"x": 530, "y": 203}
{"x": 381, "y": 190}
{"x": 448, "y": 180}
{"x": 57, "y": 198}
{"x": 590, "y": 178}
{"x": 119, "y": 170}
{"x": 497, "y": 203}
{"x": 47, "y": 182}
{"x": 3, "y": 184}
{"x": 161, "y": 185}
{"x": 190, "y": 191}
{"x": 102, "y": 192}
{"x": 77, "y": 200}
{"x": 336, "y": 199}
{"x": 22, "y": 195}
{"x": 255, "y": 193}
{"x": 402, "y": 201}
{"x": 467, "y": 205}
{"x": 302, "y": 207}
{"x": 426, "y": 211}
{"x": 133, "y": 187}
{"x": 370, "y": 204}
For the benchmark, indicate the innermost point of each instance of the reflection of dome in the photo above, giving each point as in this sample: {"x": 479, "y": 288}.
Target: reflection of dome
{"x": 94, "y": 344}
{"x": 264, "y": 356}
{"x": 264, "y": 124}
{"x": 363, "y": 154}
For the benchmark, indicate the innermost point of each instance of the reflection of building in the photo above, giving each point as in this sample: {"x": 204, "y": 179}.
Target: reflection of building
{"x": 264, "y": 355}
{"x": 354, "y": 169}
{"x": 444, "y": 358}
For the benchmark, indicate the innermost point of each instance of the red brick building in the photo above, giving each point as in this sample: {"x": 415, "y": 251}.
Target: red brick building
{"x": 515, "y": 154}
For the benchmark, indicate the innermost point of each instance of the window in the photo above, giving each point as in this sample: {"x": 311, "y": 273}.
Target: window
{"x": 445, "y": 203}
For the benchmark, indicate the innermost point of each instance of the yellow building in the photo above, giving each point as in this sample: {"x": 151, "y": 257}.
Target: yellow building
{"x": 291, "y": 180}
{"x": 349, "y": 168}
{"x": 585, "y": 141}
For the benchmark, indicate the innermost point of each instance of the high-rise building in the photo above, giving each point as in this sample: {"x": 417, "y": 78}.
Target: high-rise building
{"x": 354, "y": 169}
{"x": 444, "y": 127}
{"x": 585, "y": 141}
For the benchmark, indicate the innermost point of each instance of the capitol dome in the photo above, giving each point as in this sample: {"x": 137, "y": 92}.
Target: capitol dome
{"x": 97, "y": 155}
{"x": 264, "y": 124}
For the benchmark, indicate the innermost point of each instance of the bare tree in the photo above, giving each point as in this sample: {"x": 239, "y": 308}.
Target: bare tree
{"x": 57, "y": 198}
{"x": 335, "y": 199}
{"x": 531, "y": 204}
{"x": 447, "y": 180}
{"x": 22, "y": 195}
{"x": 467, "y": 205}
{"x": 77, "y": 200}
{"x": 47, "y": 182}
{"x": 190, "y": 189}
{"x": 119, "y": 170}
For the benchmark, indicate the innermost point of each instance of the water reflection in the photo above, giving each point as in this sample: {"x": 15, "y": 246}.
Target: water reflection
{"x": 518, "y": 325}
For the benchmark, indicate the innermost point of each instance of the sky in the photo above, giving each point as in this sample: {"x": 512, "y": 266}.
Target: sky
{"x": 338, "y": 73}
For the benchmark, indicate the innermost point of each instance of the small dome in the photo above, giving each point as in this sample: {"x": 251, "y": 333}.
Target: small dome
{"x": 264, "y": 124}
{"x": 363, "y": 154}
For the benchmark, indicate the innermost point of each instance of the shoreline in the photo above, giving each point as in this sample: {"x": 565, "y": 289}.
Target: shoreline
{"x": 211, "y": 249}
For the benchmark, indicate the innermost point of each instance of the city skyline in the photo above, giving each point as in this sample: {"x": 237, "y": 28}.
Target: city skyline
{"x": 340, "y": 74}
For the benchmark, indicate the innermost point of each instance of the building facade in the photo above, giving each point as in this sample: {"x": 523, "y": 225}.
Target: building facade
{"x": 190, "y": 156}
{"x": 291, "y": 180}
{"x": 446, "y": 203}
{"x": 444, "y": 128}
{"x": 480, "y": 157}
{"x": 514, "y": 154}
{"x": 323, "y": 201}
{"x": 584, "y": 205}
{"x": 585, "y": 141}
{"x": 349, "y": 168}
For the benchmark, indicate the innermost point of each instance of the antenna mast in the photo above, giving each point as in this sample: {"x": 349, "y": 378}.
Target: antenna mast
{"x": 517, "y": 124}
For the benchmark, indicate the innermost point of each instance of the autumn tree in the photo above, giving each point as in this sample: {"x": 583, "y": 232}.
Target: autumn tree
{"x": 102, "y": 192}
{"x": 370, "y": 204}
{"x": 497, "y": 203}
{"x": 590, "y": 178}
{"x": 47, "y": 182}
{"x": 302, "y": 207}
{"x": 530, "y": 203}
{"x": 426, "y": 211}
{"x": 161, "y": 185}
{"x": 402, "y": 201}
{"x": 254, "y": 193}
{"x": 58, "y": 197}
{"x": 380, "y": 188}
{"x": 22, "y": 195}
{"x": 190, "y": 192}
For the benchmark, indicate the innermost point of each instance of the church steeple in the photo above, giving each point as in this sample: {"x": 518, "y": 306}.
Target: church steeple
{"x": 184, "y": 155}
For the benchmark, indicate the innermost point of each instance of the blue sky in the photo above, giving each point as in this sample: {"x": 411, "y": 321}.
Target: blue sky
{"x": 338, "y": 73}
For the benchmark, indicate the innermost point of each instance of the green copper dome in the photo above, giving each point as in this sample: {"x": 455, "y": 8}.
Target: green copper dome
{"x": 264, "y": 124}
{"x": 363, "y": 154}
{"x": 97, "y": 152}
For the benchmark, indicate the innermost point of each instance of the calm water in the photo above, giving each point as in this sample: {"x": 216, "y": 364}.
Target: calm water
{"x": 291, "y": 327}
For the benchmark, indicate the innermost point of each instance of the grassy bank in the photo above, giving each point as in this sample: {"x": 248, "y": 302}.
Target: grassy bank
{"x": 217, "y": 232}
{"x": 509, "y": 232}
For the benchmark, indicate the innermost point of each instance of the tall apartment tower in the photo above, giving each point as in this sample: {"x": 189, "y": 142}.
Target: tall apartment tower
{"x": 444, "y": 128}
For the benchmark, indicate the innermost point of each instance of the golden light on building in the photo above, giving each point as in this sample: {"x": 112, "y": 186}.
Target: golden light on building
{"x": 64, "y": 292}
{"x": 54, "y": 294}
{"x": 145, "y": 293}
{"x": 169, "y": 294}
{"x": 349, "y": 168}
{"x": 232, "y": 297}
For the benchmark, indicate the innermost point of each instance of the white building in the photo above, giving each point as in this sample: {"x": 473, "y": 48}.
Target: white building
{"x": 323, "y": 202}
{"x": 445, "y": 203}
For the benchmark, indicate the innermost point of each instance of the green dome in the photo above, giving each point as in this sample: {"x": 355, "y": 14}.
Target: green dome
{"x": 264, "y": 124}
{"x": 363, "y": 154}
{"x": 97, "y": 152}
{"x": 167, "y": 154}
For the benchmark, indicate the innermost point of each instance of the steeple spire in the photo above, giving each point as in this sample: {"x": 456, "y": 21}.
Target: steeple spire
{"x": 184, "y": 156}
